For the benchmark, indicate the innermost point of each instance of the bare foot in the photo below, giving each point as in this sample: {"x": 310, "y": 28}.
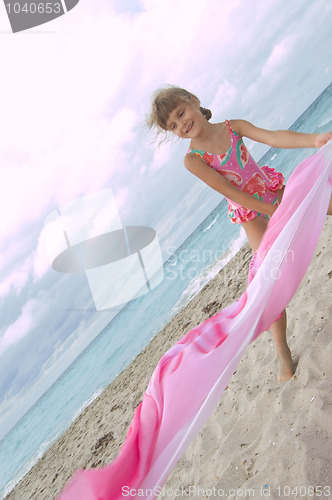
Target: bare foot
{"x": 285, "y": 365}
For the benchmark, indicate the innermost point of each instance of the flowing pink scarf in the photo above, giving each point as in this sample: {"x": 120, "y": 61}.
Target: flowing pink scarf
{"x": 190, "y": 378}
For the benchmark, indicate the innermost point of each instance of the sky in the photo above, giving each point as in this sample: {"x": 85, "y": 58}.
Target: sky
{"x": 73, "y": 101}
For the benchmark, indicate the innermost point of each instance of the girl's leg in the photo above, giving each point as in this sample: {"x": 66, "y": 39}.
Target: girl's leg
{"x": 329, "y": 211}
{"x": 278, "y": 330}
{"x": 255, "y": 229}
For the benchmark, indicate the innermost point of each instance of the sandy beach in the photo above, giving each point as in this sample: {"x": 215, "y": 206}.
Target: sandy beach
{"x": 264, "y": 439}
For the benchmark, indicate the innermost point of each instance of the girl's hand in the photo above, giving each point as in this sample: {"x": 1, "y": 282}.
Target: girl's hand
{"x": 322, "y": 139}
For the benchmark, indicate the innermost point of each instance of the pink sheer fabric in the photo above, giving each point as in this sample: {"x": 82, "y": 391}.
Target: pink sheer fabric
{"x": 190, "y": 378}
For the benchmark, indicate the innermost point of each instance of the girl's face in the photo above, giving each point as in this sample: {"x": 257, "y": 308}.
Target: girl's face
{"x": 185, "y": 120}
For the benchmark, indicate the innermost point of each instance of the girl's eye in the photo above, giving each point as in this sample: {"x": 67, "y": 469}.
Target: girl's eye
{"x": 181, "y": 113}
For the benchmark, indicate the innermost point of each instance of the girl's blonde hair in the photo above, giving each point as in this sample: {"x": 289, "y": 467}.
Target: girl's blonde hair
{"x": 164, "y": 101}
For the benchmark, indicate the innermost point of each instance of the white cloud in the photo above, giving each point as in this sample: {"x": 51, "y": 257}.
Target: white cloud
{"x": 162, "y": 155}
{"x": 17, "y": 279}
{"x": 21, "y": 327}
{"x": 279, "y": 56}
{"x": 42, "y": 259}
{"x": 225, "y": 97}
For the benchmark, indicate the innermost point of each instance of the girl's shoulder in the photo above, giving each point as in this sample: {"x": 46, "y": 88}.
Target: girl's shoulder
{"x": 235, "y": 125}
{"x": 193, "y": 157}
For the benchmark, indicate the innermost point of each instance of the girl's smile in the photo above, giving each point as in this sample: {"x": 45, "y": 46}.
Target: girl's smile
{"x": 190, "y": 127}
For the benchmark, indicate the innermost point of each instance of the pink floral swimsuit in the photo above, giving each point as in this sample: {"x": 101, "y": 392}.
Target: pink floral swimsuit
{"x": 241, "y": 170}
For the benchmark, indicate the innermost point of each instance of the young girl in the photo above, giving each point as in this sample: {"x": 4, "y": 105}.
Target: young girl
{"x": 218, "y": 156}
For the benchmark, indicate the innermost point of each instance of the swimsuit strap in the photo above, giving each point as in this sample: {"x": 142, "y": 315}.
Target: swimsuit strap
{"x": 229, "y": 127}
{"x": 232, "y": 132}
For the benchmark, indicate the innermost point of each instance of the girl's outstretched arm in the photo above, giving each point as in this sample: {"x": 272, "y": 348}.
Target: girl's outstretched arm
{"x": 212, "y": 178}
{"x": 280, "y": 138}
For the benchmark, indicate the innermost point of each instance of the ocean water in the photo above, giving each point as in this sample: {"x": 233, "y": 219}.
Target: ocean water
{"x": 191, "y": 266}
